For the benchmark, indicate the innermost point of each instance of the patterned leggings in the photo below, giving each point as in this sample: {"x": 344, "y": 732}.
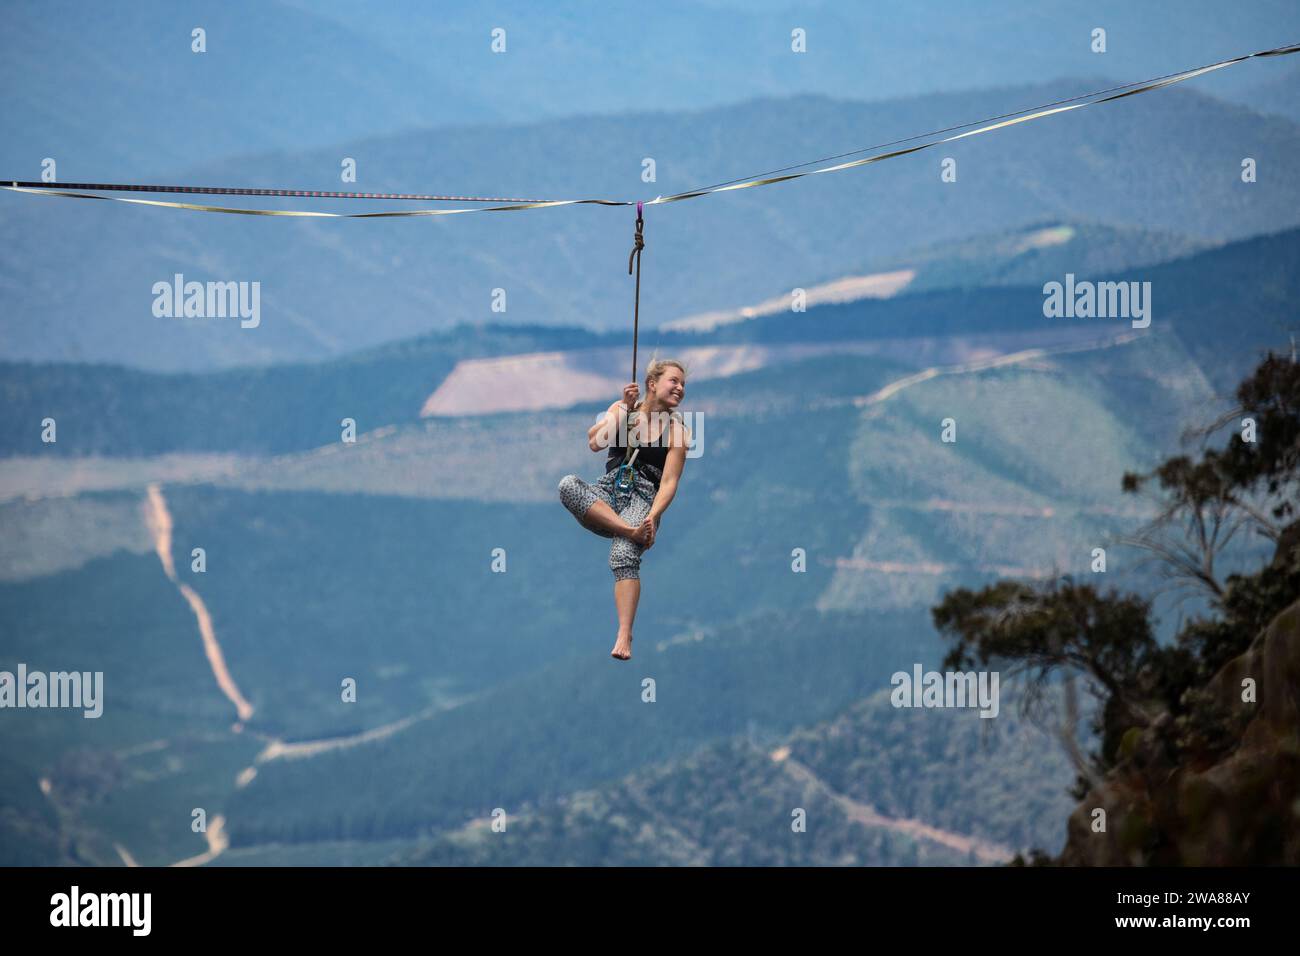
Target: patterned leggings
{"x": 632, "y": 506}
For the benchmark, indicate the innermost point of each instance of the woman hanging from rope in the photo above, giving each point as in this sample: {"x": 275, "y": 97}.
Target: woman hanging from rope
{"x": 641, "y": 474}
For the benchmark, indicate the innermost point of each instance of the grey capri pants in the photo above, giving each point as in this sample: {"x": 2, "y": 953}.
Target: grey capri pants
{"x": 632, "y": 506}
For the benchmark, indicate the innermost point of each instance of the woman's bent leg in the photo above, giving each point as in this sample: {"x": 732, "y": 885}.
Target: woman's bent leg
{"x": 594, "y": 505}
{"x": 625, "y": 553}
{"x": 587, "y": 503}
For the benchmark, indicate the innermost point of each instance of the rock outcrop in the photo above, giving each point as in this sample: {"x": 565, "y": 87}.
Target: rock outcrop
{"x": 1239, "y": 806}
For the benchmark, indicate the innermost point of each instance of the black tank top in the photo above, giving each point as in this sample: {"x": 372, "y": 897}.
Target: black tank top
{"x": 653, "y": 454}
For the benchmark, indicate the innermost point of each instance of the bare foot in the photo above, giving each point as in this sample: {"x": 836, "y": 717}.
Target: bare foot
{"x": 622, "y": 647}
{"x": 643, "y": 534}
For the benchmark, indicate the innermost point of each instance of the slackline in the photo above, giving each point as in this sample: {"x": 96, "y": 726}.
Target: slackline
{"x": 66, "y": 190}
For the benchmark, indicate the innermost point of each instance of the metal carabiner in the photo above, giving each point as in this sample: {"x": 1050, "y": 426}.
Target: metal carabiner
{"x": 623, "y": 480}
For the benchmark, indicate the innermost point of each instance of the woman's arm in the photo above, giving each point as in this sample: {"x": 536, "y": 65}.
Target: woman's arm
{"x": 601, "y": 435}
{"x": 672, "y": 472}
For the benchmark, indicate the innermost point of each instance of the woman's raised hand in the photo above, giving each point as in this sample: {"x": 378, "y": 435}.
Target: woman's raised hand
{"x": 630, "y": 392}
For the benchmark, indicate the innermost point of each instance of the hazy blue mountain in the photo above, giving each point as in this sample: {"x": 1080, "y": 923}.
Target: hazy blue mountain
{"x": 328, "y": 288}
{"x": 1222, "y": 303}
{"x": 114, "y": 93}
{"x": 1028, "y": 255}
{"x": 1277, "y": 93}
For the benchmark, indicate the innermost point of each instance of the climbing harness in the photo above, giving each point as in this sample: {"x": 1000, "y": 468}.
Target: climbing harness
{"x": 623, "y": 480}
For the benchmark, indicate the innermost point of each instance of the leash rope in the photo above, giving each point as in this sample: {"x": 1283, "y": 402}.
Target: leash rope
{"x": 623, "y": 480}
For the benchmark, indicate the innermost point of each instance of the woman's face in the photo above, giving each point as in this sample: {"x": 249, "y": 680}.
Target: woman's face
{"x": 670, "y": 387}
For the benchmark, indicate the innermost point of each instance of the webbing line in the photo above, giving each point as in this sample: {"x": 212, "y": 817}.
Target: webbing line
{"x": 50, "y": 189}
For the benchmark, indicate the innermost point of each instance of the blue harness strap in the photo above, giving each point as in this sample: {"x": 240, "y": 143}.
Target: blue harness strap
{"x": 623, "y": 479}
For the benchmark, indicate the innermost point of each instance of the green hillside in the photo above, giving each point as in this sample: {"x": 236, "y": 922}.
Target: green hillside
{"x": 305, "y": 589}
{"x": 731, "y": 803}
{"x": 478, "y": 690}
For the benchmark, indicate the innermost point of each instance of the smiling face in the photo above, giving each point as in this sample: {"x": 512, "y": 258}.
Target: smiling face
{"x": 669, "y": 388}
